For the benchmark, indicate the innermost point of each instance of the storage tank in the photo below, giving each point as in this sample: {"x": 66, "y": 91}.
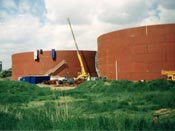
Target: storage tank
{"x": 54, "y": 62}
{"x": 137, "y": 53}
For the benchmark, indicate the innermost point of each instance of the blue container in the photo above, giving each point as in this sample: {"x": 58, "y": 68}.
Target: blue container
{"x": 53, "y": 54}
{"x": 26, "y": 79}
{"x": 39, "y": 79}
{"x": 35, "y": 79}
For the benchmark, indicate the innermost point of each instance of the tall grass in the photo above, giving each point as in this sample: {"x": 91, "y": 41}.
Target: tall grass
{"x": 21, "y": 92}
{"x": 93, "y": 105}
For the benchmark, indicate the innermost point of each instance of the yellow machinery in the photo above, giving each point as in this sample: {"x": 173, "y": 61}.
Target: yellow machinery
{"x": 83, "y": 75}
{"x": 170, "y": 74}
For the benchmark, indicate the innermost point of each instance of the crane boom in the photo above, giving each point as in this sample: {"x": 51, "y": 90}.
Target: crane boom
{"x": 82, "y": 75}
{"x": 76, "y": 45}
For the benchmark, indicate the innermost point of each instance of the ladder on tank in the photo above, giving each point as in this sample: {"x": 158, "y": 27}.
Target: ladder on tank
{"x": 54, "y": 69}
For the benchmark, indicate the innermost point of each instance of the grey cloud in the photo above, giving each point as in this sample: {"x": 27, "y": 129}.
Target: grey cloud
{"x": 168, "y": 4}
{"x": 8, "y": 4}
{"x": 129, "y": 13}
{"x": 80, "y": 12}
{"x": 20, "y": 34}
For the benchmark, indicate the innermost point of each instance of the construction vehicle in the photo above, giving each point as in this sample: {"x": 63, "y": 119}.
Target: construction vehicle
{"x": 170, "y": 74}
{"x": 83, "y": 75}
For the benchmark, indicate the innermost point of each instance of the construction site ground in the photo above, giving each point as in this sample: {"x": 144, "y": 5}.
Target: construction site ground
{"x": 58, "y": 87}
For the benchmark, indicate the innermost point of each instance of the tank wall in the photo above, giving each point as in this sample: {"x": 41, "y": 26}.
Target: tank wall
{"x": 137, "y": 53}
{"x": 23, "y": 64}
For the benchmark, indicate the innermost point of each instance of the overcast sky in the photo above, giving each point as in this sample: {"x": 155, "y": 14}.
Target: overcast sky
{"x": 28, "y": 25}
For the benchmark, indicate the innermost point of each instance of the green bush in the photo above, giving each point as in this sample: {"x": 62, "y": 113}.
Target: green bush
{"x": 6, "y": 73}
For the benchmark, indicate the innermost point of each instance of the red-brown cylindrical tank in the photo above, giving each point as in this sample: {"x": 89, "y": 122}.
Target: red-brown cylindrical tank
{"x": 137, "y": 53}
{"x": 66, "y": 63}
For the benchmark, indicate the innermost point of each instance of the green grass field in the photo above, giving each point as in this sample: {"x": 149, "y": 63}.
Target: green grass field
{"x": 93, "y": 105}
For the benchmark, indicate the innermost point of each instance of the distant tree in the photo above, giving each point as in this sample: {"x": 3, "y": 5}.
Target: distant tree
{"x": 6, "y": 73}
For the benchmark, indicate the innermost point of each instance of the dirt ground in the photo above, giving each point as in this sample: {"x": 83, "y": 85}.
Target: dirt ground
{"x": 58, "y": 87}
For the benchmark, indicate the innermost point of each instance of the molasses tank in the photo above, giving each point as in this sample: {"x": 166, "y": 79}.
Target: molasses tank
{"x": 137, "y": 53}
{"x": 54, "y": 62}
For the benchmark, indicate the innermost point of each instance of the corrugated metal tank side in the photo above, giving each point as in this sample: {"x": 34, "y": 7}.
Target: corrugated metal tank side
{"x": 23, "y": 64}
{"x": 137, "y": 53}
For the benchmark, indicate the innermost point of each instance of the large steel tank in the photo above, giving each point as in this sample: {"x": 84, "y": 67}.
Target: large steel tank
{"x": 137, "y": 53}
{"x": 64, "y": 63}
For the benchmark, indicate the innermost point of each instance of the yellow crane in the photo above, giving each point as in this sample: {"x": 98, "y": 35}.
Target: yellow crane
{"x": 83, "y": 75}
{"x": 170, "y": 74}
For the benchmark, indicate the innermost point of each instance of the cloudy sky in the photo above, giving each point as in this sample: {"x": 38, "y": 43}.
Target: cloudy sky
{"x": 28, "y": 25}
